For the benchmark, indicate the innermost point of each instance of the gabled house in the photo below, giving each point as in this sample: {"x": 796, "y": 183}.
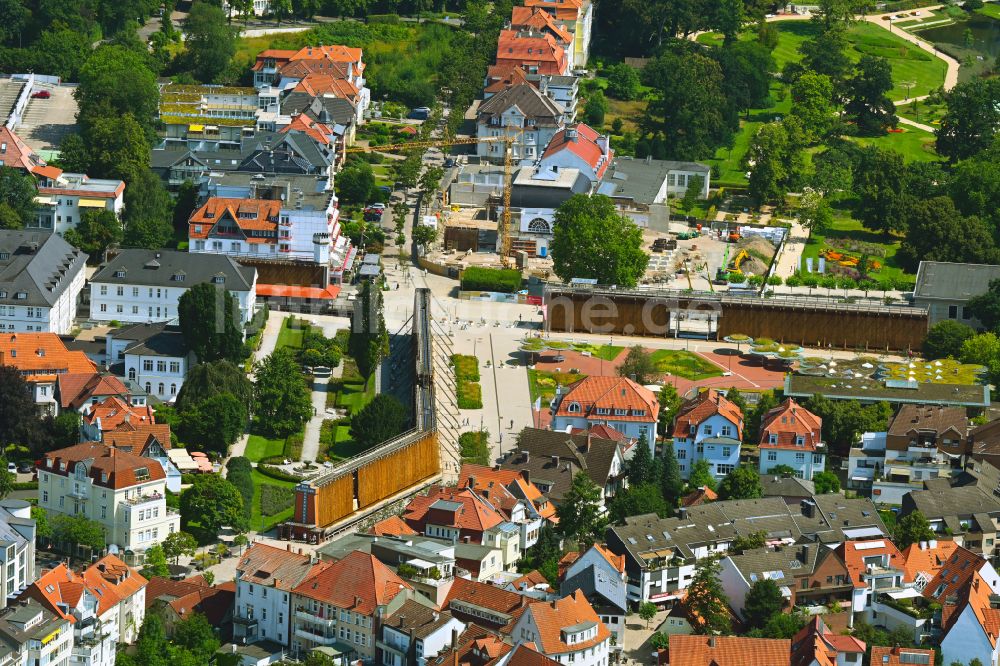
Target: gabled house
{"x": 550, "y": 459}
{"x": 898, "y": 656}
{"x": 509, "y": 491}
{"x": 452, "y": 513}
{"x": 77, "y": 390}
{"x": 520, "y": 110}
{"x": 817, "y": 645}
{"x": 709, "y": 427}
{"x": 567, "y": 630}
{"x": 580, "y": 147}
{"x": 951, "y": 571}
{"x": 600, "y": 575}
{"x": 486, "y": 605}
{"x": 416, "y": 633}
{"x": 348, "y": 602}
{"x": 175, "y": 601}
{"x": 971, "y": 625}
{"x": 540, "y": 21}
{"x": 577, "y": 16}
{"x": 785, "y": 566}
{"x": 32, "y": 634}
{"x": 111, "y": 413}
{"x": 149, "y": 440}
{"x": 618, "y": 402}
{"x": 564, "y": 90}
{"x": 792, "y": 436}
{"x": 970, "y": 514}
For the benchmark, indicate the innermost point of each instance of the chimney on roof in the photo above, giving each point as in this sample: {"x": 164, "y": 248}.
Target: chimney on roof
{"x": 526, "y": 455}
{"x": 682, "y": 512}
{"x": 804, "y": 553}
{"x": 288, "y": 548}
{"x": 711, "y": 641}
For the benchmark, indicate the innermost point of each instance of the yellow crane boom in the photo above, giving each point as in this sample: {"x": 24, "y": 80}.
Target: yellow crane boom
{"x": 508, "y": 161}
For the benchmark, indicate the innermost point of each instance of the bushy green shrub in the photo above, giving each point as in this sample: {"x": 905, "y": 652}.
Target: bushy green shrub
{"x": 274, "y": 499}
{"x": 277, "y": 473}
{"x": 478, "y": 278}
{"x": 239, "y": 472}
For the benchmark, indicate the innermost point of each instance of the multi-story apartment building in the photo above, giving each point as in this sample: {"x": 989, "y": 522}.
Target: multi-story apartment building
{"x": 62, "y": 197}
{"x": 41, "y": 358}
{"x": 792, "y": 436}
{"x": 522, "y": 112}
{"x": 17, "y": 555}
{"x": 31, "y": 635}
{"x": 710, "y": 427}
{"x": 159, "y": 364}
{"x": 534, "y": 51}
{"x": 41, "y": 277}
{"x": 285, "y": 69}
{"x": 600, "y": 575}
{"x": 347, "y": 602}
{"x": 265, "y": 577}
{"x": 124, "y": 492}
{"x": 579, "y": 147}
{"x": 567, "y": 630}
{"x": 264, "y": 228}
{"x": 105, "y": 604}
{"x": 578, "y": 17}
{"x": 562, "y": 89}
{"x": 146, "y": 285}
{"x": 195, "y": 113}
{"x": 513, "y": 495}
{"x": 416, "y": 633}
{"x": 617, "y": 402}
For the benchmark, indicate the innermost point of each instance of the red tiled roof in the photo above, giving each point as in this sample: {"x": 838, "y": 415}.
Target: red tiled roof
{"x": 359, "y": 582}
{"x": 265, "y": 216}
{"x": 109, "y": 580}
{"x": 502, "y": 77}
{"x": 42, "y": 357}
{"x": 789, "y": 421}
{"x": 16, "y": 153}
{"x": 853, "y": 553}
{"x": 600, "y": 430}
{"x": 927, "y": 560}
{"x": 954, "y": 573}
{"x": 114, "y": 412}
{"x": 279, "y": 568}
{"x": 77, "y": 388}
{"x": 584, "y": 144}
{"x": 593, "y": 393}
{"x": 172, "y": 589}
{"x": 292, "y": 291}
{"x": 564, "y": 9}
{"x": 332, "y": 52}
{"x": 301, "y": 69}
{"x": 314, "y": 129}
{"x": 524, "y": 48}
{"x": 317, "y": 85}
{"x": 728, "y": 651}
{"x": 816, "y": 645}
{"x": 53, "y": 173}
{"x": 135, "y": 438}
{"x": 699, "y": 496}
{"x": 540, "y": 20}
{"x": 706, "y": 405}
{"x": 212, "y": 602}
{"x": 485, "y": 596}
{"x": 551, "y": 617}
{"x": 392, "y": 526}
{"x": 892, "y": 656}
{"x": 108, "y": 467}
{"x": 475, "y": 515}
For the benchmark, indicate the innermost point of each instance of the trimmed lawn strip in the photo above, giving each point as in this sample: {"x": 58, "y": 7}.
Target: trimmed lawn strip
{"x": 469, "y": 392}
{"x": 603, "y": 352}
{"x": 851, "y": 228}
{"x": 256, "y": 516}
{"x": 259, "y": 447}
{"x": 289, "y": 336}
{"x": 914, "y": 144}
{"x": 681, "y": 363}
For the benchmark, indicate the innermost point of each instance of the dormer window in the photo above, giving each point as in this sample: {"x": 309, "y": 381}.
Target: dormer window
{"x": 638, "y": 412}
{"x": 603, "y": 411}
{"x": 573, "y": 407}
{"x": 119, "y": 274}
{"x": 800, "y": 441}
{"x": 772, "y": 438}
{"x": 21, "y": 295}
{"x": 219, "y": 279}
{"x": 4, "y": 255}
{"x": 178, "y": 277}
{"x": 3, "y": 294}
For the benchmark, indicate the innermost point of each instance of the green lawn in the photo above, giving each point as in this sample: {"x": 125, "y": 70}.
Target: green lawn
{"x": 850, "y": 228}
{"x": 348, "y": 393}
{"x": 467, "y": 387}
{"x": 259, "y": 447}
{"x": 291, "y": 333}
{"x": 922, "y": 112}
{"x": 991, "y": 9}
{"x": 909, "y": 63}
{"x": 684, "y": 364}
{"x": 543, "y": 384}
{"x": 603, "y": 352}
{"x": 255, "y": 518}
{"x": 915, "y": 144}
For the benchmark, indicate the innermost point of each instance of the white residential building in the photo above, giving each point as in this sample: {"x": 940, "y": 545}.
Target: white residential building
{"x": 567, "y": 630}
{"x": 522, "y": 112}
{"x": 792, "y": 436}
{"x": 63, "y": 198}
{"x": 265, "y": 576}
{"x": 41, "y": 277}
{"x": 146, "y": 285}
{"x": 266, "y": 228}
{"x": 17, "y": 558}
{"x": 124, "y": 492}
{"x": 710, "y": 427}
{"x": 616, "y": 402}
{"x": 42, "y": 358}
{"x": 34, "y": 635}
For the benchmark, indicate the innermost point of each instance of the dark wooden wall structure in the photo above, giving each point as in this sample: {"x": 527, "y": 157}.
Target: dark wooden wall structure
{"x": 401, "y": 463}
{"x": 811, "y": 322}
{"x": 272, "y": 271}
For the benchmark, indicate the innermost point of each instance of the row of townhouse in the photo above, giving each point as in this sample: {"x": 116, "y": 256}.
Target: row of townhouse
{"x": 816, "y": 644}
{"x": 63, "y": 198}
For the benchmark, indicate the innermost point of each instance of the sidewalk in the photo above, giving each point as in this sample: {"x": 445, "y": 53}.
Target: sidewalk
{"x": 269, "y": 340}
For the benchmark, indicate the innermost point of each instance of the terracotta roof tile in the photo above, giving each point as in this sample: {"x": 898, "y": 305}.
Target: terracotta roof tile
{"x": 552, "y": 617}
{"x": 817, "y": 645}
{"x": 455, "y": 507}
{"x": 728, "y": 651}
{"x": 582, "y": 141}
{"x": 787, "y": 422}
{"x": 524, "y": 48}
{"x": 17, "y": 154}
{"x": 483, "y": 595}
{"x": 540, "y": 20}
{"x": 359, "y": 582}
{"x": 954, "y": 574}
{"x": 622, "y": 393}
{"x": 392, "y": 526}
{"x": 264, "y": 213}
{"x": 853, "y": 553}
{"x": 279, "y": 568}
{"x": 892, "y": 656}
{"x": 699, "y": 496}
{"x": 927, "y": 560}
{"x": 317, "y": 85}
{"x": 107, "y": 467}
{"x": 42, "y": 357}
{"x": 136, "y": 437}
{"x": 704, "y": 406}
{"x": 113, "y": 412}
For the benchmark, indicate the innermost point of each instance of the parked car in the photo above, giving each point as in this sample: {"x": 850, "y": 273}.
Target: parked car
{"x": 12, "y": 468}
{"x": 41, "y": 94}
{"x": 25, "y": 468}
{"x": 449, "y": 163}
{"x": 377, "y": 206}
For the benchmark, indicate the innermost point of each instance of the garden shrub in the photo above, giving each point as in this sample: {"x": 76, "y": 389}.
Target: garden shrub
{"x": 274, "y": 499}
{"x": 478, "y": 278}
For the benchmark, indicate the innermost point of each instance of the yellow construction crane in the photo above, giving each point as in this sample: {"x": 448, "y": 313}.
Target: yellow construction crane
{"x": 508, "y": 162}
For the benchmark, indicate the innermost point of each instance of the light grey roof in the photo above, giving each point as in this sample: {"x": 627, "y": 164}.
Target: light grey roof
{"x": 157, "y": 268}
{"x": 167, "y": 343}
{"x": 338, "y": 110}
{"x": 528, "y": 99}
{"x": 40, "y": 266}
{"x": 953, "y": 282}
{"x": 775, "y": 485}
{"x": 641, "y": 180}
{"x": 598, "y": 586}
{"x": 777, "y": 565}
{"x": 960, "y": 502}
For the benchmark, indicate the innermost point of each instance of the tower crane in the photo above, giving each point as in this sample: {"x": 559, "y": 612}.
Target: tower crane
{"x": 507, "y": 140}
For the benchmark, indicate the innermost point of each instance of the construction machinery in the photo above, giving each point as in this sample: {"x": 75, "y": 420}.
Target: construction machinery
{"x": 503, "y": 230}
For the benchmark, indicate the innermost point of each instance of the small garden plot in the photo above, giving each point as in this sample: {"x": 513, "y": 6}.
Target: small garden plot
{"x": 684, "y": 364}
{"x": 543, "y": 384}
{"x": 470, "y": 393}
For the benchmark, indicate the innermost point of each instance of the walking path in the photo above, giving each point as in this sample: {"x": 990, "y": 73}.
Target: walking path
{"x": 268, "y": 341}
{"x": 951, "y": 75}
{"x": 320, "y": 387}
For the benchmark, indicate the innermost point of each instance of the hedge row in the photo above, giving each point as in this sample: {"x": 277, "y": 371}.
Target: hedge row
{"x": 293, "y": 446}
{"x": 27, "y": 485}
{"x": 275, "y": 499}
{"x": 239, "y": 472}
{"x": 478, "y": 278}
{"x": 277, "y": 473}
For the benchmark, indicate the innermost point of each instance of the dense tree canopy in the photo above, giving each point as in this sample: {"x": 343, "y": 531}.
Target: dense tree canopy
{"x": 379, "y": 421}
{"x": 282, "y": 403}
{"x": 213, "y": 502}
{"x": 972, "y": 118}
{"x": 17, "y": 198}
{"x": 592, "y": 240}
{"x": 209, "y": 317}
{"x": 946, "y": 338}
{"x": 210, "y": 41}
{"x": 868, "y": 102}
{"x": 580, "y": 515}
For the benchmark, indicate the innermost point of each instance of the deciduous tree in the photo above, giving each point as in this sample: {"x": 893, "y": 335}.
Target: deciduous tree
{"x": 208, "y": 320}
{"x": 155, "y": 564}
{"x": 17, "y": 194}
{"x": 762, "y": 601}
{"x": 707, "y": 600}
{"x": 701, "y": 475}
{"x": 580, "y": 511}
{"x": 636, "y": 501}
{"x": 591, "y": 240}
{"x": 638, "y": 365}
{"x": 96, "y": 231}
{"x": 177, "y": 544}
{"x": 623, "y": 82}
{"x": 380, "y": 420}
{"x": 946, "y": 338}
{"x": 742, "y": 483}
{"x": 213, "y": 502}
{"x": 282, "y": 402}
{"x": 812, "y": 103}
{"x": 986, "y": 307}
{"x": 826, "y": 482}
{"x": 913, "y": 528}
{"x": 868, "y": 102}
{"x": 972, "y": 118}
{"x": 937, "y": 231}
{"x": 879, "y": 181}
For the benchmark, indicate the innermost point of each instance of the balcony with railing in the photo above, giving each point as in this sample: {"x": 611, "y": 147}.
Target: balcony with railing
{"x": 144, "y": 499}
{"x": 308, "y": 616}
{"x": 318, "y": 638}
